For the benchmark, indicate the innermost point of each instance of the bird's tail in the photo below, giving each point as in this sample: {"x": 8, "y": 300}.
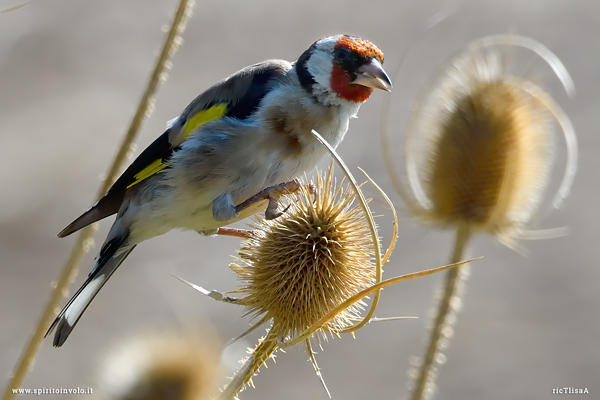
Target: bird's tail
{"x": 113, "y": 253}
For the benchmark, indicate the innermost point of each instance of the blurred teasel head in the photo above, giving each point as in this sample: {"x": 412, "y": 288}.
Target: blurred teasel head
{"x": 300, "y": 266}
{"x": 175, "y": 363}
{"x": 481, "y": 141}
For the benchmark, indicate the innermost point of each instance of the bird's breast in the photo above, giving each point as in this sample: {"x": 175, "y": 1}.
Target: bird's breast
{"x": 290, "y": 126}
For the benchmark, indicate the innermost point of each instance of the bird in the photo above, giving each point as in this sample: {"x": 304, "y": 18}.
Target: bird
{"x": 242, "y": 141}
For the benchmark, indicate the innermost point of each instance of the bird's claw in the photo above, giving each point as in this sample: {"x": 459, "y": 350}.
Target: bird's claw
{"x": 271, "y": 211}
{"x": 272, "y": 193}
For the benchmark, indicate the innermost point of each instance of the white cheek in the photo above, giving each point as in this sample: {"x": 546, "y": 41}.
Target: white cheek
{"x": 320, "y": 67}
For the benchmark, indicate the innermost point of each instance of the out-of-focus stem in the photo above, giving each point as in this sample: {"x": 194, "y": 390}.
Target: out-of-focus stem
{"x": 9, "y": 9}
{"x": 84, "y": 239}
{"x": 243, "y": 376}
{"x": 450, "y": 295}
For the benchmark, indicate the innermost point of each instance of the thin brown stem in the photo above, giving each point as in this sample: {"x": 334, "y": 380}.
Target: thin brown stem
{"x": 84, "y": 239}
{"x": 243, "y": 376}
{"x": 425, "y": 380}
{"x": 359, "y": 296}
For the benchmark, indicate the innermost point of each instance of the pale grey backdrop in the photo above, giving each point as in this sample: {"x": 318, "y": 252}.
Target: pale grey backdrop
{"x": 70, "y": 74}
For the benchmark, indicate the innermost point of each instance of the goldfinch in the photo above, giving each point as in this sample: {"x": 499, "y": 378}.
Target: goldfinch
{"x": 228, "y": 150}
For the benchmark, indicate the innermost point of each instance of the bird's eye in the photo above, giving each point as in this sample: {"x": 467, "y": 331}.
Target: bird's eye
{"x": 341, "y": 54}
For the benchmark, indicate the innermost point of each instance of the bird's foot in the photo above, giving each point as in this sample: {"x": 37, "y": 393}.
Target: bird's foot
{"x": 272, "y": 193}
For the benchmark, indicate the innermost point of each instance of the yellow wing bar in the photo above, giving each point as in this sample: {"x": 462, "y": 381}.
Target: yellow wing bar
{"x": 147, "y": 172}
{"x": 200, "y": 118}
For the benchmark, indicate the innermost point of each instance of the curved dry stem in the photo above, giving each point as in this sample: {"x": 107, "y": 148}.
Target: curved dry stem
{"x": 450, "y": 294}
{"x": 372, "y": 228}
{"x": 394, "y": 239}
{"x": 84, "y": 239}
{"x": 536, "y": 47}
{"x": 243, "y": 376}
{"x": 570, "y": 142}
{"x": 359, "y": 296}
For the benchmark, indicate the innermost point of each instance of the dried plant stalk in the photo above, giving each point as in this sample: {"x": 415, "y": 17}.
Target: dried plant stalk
{"x": 308, "y": 270}
{"x": 301, "y": 265}
{"x": 481, "y": 142}
{"x": 447, "y": 307}
{"x": 84, "y": 240}
{"x": 250, "y": 368}
{"x": 479, "y": 153}
{"x": 259, "y": 356}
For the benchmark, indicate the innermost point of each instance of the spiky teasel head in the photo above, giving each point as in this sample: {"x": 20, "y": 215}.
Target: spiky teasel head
{"x": 178, "y": 364}
{"x": 298, "y": 267}
{"x": 481, "y": 145}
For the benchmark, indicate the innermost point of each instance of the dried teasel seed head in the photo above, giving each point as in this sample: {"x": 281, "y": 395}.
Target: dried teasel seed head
{"x": 301, "y": 265}
{"x": 481, "y": 143}
{"x": 491, "y": 159}
{"x": 178, "y": 364}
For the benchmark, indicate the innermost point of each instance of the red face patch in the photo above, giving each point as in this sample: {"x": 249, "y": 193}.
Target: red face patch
{"x": 340, "y": 80}
{"x": 340, "y": 84}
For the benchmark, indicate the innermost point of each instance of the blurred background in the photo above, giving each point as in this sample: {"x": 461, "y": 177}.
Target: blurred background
{"x": 71, "y": 73}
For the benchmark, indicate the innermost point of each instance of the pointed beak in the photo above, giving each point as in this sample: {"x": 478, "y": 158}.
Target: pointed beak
{"x": 372, "y": 75}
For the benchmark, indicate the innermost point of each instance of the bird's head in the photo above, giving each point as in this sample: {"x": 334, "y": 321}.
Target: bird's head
{"x": 342, "y": 68}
